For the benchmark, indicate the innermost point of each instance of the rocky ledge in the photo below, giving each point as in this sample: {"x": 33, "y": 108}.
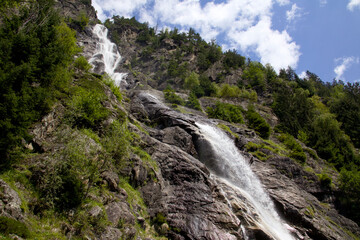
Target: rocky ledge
{"x": 198, "y": 205}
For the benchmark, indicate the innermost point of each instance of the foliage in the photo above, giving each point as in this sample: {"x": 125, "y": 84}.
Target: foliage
{"x": 255, "y": 74}
{"x": 350, "y": 200}
{"x": 294, "y": 109}
{"x": 85, "y": 108}
{"x": 325, "y": 180}
{"x": 256, "y": 122}
{"x": 296, "y": 151}
{"x": 36, "y": 50}
{"x": 193, "y": 102}
{"x": 346, "y": 107}
{"x": 82, "y": 64}
{"x": 81, "y": 21}
{"x": 208, "y": 55}
{"x": 117, "y": 141}
{"x": 192, "y": 81}
{"x": 233, "y": 60}
{"x": 330, "y": 141}
{"x": 172, "y": 97}
{"x": 206, "y": 87}
{"x": 112, "y": 85}
{"x": 227, "y": 112}
{"x": 11, "y": 226}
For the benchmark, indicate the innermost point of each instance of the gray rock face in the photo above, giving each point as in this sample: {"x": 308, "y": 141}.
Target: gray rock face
{"x": 10, "y": 202}
{"x": 201, "y": 206}
{"x": 119, "y": 212}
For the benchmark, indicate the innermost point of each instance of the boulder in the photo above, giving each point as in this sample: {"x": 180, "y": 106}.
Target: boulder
{"x": 10, "y": 202}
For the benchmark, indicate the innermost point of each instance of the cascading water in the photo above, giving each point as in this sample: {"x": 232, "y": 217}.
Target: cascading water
{"x": 224, "y": 160}
{"x": 107, "y": 54}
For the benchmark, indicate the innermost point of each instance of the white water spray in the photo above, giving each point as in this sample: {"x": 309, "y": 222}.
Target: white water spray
{"x": 107, "y": 54}
{"x": 231, "y": 166}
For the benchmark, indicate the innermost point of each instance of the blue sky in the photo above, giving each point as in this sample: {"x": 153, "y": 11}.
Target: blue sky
{"x": 322, "y": 36}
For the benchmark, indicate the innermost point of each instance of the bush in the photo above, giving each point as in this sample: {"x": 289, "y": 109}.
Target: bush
{"x": 350, "y": 197}
{"x": 192, "y": 81}
{"x": 86, "y": 110}
{"x": 296, "y": 151}
{"x": 193, "y": 102}
{"x": 256, "y": 122}
{"x": 233, "y": 60}
{"x": 172, "y": 97}
{"x": 82, "y": 64}
{"x": 11, "y": 226}
{"x": 227, "y": 112}
{"x": 325, "y": 180}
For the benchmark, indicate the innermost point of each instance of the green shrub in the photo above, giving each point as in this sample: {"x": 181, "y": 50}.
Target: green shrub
{"x": 172, "y": 97}
{"x": 82, "y": 20}
{"x": 233, "y": 60}
{"x": 191, "y": 81}
{"x": 296, "y": 151}
{"x": 117, "y": 141}
{"x": 193, "y": 102}
{"x": 256, "y": 122}
{"x": 227, "y": 112}
{"x": 325, "y": 180}
{"x": 111, "y": 84}
{"x": 86, "y": 110}
{"x": 252, "y": 147}
{"x": 350, "y": 199}
{"x": 11, "y": 226}
{"x": 82, "y": 64}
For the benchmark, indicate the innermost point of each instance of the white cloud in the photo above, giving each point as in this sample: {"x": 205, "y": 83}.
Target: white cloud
{"x": 303, "y": 75}
{"x": 323, "y": 3}
{"x": 344, "y": 64}
{"x": 126, "y": 8}
{"x": 283, "y": 2}
{"x": 294, "y": 13}
{"x": 272, "y": 46}
{"x": 244, "y": 24}
{"x": 353, "y": 4}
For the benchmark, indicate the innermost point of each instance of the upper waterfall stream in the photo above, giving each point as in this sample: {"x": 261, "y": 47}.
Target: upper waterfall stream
{"x": 224, "y": 160}
{"x": 107, "y": 54}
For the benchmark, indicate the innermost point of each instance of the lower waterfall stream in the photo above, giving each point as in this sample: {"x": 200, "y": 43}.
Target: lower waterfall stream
{"x": 222, "y": 157}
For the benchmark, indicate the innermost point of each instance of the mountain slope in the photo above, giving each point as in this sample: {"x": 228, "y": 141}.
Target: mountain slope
{"x": 103, "y": 164}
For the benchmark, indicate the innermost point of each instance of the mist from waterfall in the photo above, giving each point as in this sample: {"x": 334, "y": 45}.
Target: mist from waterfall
{"x": 107, "y": 54}
{"x": 225, "y": 161}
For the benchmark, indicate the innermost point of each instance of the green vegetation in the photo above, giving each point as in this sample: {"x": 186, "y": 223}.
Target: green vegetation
{"x": 172, "y": 97}
{"x": 256, "y": 122}
{"x": 227, "y": 112}
{"x": 296, "y": 151}
{"x": 35, "y": 57}
{"x": 11, "y": 226}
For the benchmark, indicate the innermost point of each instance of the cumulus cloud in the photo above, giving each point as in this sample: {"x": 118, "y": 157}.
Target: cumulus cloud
{"x": 244, "y": 24}
{"x": 344, "y": 64}
{"x": 293, "y": 13}
{"x": 272, "y": 46}
{"x": 353, "y": 4}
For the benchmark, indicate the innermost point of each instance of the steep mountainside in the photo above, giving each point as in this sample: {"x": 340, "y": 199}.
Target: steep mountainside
{"x": 197, "y": 144}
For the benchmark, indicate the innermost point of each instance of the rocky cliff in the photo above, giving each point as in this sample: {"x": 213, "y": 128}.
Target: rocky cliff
{"x": 144, "y": 168}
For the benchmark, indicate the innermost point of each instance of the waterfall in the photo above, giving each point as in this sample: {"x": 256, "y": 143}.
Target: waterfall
{"x": 106, "y": 54}
{"x": 222, "y": 157}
